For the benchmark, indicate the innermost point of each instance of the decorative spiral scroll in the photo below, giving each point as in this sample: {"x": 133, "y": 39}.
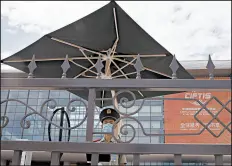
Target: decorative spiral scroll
{"x": 47, "y": 101}
{"x": 70, "y": 110}
{"x": 123, "y": 100}
{"x": 125, "y": 132}
{"x": 26, "y": 124}
{"x": 5, "y": 121}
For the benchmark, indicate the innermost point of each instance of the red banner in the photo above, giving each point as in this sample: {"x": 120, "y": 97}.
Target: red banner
{"x": 179, "y": 117}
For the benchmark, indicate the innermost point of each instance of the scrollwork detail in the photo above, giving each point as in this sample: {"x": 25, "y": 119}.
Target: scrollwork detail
{"x": 25, "y": 124}
{"x": 70, "y": 110}
{"x": 5, "y": 121}
{"x": 123, "y": 100}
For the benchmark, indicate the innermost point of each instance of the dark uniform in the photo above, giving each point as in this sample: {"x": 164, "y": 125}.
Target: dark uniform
{"x": 112, "y": 114}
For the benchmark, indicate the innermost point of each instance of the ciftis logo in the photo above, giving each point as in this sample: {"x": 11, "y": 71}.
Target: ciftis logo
{"x": 201, "y": 96}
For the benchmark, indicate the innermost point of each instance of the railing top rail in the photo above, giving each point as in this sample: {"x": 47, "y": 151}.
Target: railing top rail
{"x": 144, "y": 84}
{"x": 120, "y": 148}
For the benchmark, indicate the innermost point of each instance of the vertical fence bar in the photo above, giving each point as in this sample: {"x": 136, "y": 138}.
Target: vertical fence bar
{"x": 55, "y": 158}
{"x": 136, "y": 159}
{"x": 177, "y": 159}
{"x": 218, "y": 159}
{"x": 94, "y": 159}
{"x": 17, "y": 157}
{"x": 90, "y": 117}
{"x": 3, "y": 162}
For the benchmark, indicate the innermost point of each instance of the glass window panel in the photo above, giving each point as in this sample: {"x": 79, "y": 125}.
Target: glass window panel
{"x": 22, "y": 100}
{"x": 7, "y": 131}
{"x": 43, "y": 94}
{"x": 32, "y": 102}
{"x": 144, "y": 114}
{"x": 37, "y": 138}
{"x": 80, "y": 139}
{"x": 81, "y": 116}
{"x": 156, "y": 109}
{"x": 20, "y": 109}
{"x": 135, "y": 140}
{"x": 155, "y": 139}
{"x": 156, "y": 102}
{"x": 10, "y": 123}
{"x": 39, "y": 123}
{"x": 29, "y": 137}
{"x": 4, "y": 95}
{"x": 3, "y": 109}
{"x": 19, "y": 116}
{"x": 145, "y": 109}
{"x": 10, "y": 116}
{"x": 38, "y": 131}
{"x": 4, "y": 137}
{"x": 140, "y": 132}
{"x": 41, "y": 101}
{"x": 132, "y": 109}
{"x": 12, "y": 102}
{"x": 96, "y": 122}
{"x": 17, "y": 131}
{"x": 145, "y": 124}
{"x": 34, "y": 94}
{"x": 135, "y": 115}
{"x": 63, "y": 102}
{"x": 155, "y": 124}
{"x": 10, "y": 109}
{"x": 133, "y": 123}
{"x": 74, "y": 133}
{"x": 73, "y": 96}
{"x": 144, "y": 139}
{"x": 3, "y": 104}
{"x": 64, "y": 94}
{"x": 123, "y": 110}
{"x": 72, "y": 139}
{"x": 17, "y": 124}
{"x": 23, "y": 94}
{"x": 81, "y": 133}
{"x": 54, "y": 94}
{"x": 13, "y": 94}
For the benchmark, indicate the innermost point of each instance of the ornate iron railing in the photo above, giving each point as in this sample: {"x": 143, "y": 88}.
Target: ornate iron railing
{"x": 121, "y": 86}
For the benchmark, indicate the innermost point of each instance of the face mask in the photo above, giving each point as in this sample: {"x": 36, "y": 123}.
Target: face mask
{"x": 107, "y": 127}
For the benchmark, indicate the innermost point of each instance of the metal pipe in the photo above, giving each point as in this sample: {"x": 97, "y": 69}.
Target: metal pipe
{"x": 119, "y": 148}
{"x": 144, "y": 84}
{"x": 81, "y": 157}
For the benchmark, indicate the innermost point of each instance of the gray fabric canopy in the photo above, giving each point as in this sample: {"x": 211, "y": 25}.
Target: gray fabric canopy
{"x": 108, "y": 27}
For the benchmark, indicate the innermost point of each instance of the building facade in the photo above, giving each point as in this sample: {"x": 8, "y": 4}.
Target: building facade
{"x": 151, "y": 116}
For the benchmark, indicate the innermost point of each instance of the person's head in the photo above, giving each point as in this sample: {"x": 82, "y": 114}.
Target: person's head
{"x": 108, "y": 120}
{"x": 108, "y": 117}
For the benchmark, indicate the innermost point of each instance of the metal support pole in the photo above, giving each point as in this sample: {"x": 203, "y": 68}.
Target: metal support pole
{"x": 90, "y": 117}
{"x": 177, "y": 159}
{"x": 94, "y": 159}
{"x": 17, "y": 157}
{"x": 218, "y": 159}
{"x": 136, "y": 159}
{"x": 55, "y": 158}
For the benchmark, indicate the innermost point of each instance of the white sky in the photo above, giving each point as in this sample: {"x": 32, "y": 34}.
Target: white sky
{"x": 191, "y": 30}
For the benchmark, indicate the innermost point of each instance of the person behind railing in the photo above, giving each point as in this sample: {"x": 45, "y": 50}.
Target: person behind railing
{"x": 108, "y": 116}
